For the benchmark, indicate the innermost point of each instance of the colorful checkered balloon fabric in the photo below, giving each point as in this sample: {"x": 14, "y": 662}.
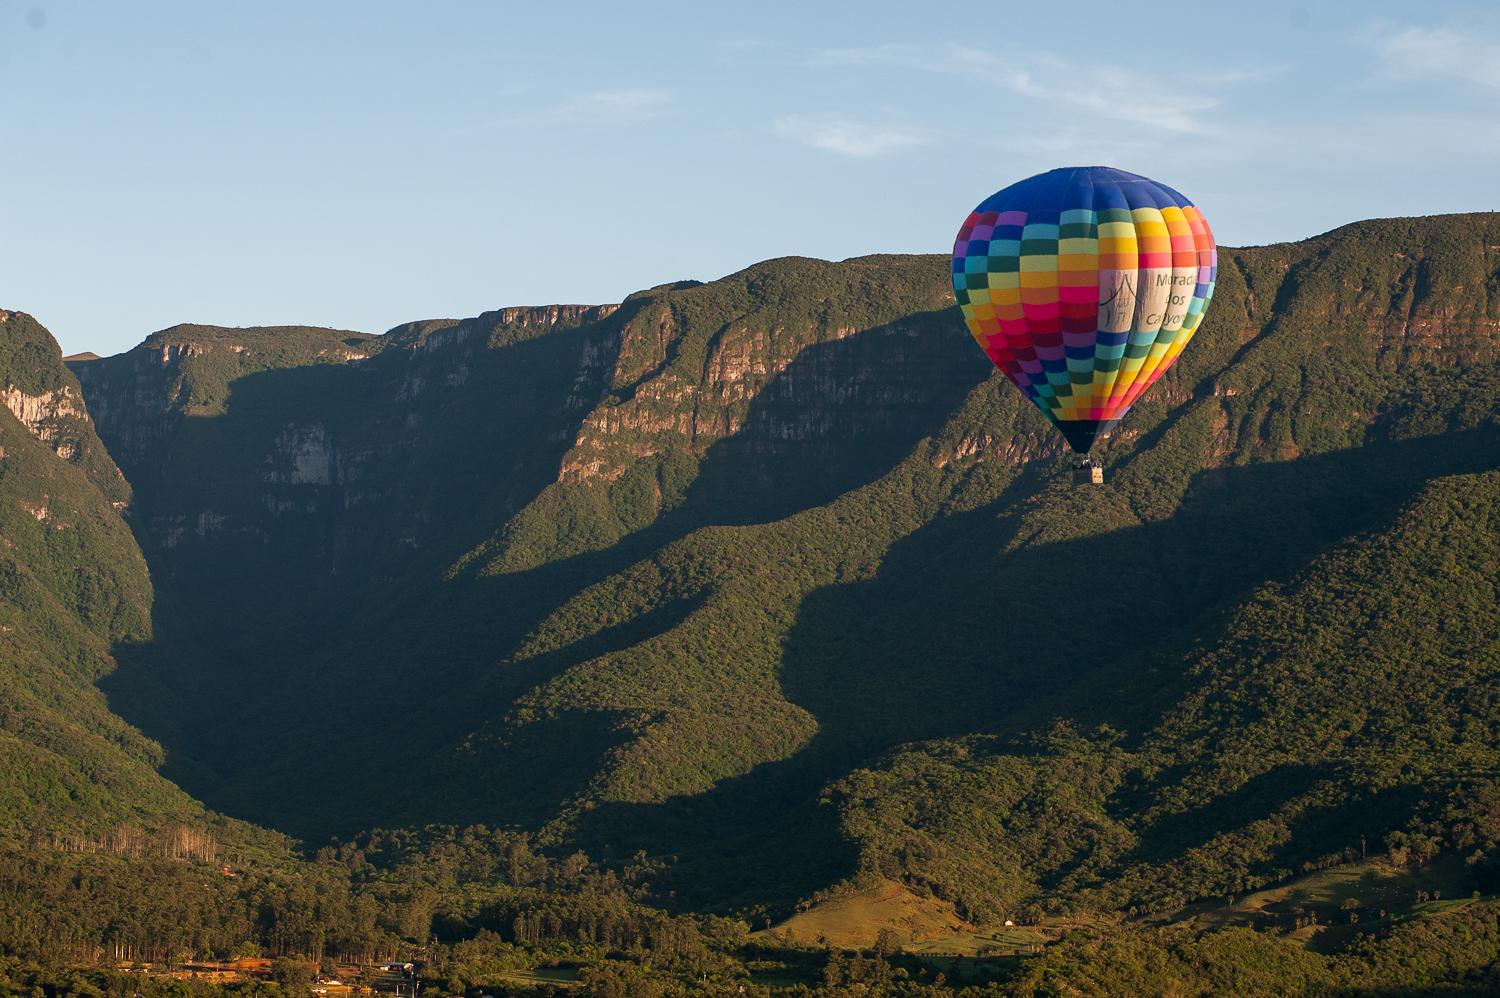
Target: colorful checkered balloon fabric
{"x": 1083, "y": 285}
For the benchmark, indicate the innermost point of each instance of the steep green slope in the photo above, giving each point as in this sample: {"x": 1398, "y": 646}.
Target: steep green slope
{"x": 1355, "y": 703}
{"x": 772, "y": 578}
{"x": 101, "y": 858}
{"x": 72, "y": 585}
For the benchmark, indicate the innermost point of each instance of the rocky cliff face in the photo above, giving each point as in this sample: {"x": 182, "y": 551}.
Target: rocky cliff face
{"x": 46, "y": 415}
{"x": 47, "y": 400}
{"x": 689, "y": 365}
{"x": 671, "y": 372}
{"x": 140, "y": 397}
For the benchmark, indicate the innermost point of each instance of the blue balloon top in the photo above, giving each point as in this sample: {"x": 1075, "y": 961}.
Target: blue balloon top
{"x": 1046, "y": 196}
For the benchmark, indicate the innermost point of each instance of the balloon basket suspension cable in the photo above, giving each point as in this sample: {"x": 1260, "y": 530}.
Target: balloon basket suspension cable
{"x": 1087, "y": 471}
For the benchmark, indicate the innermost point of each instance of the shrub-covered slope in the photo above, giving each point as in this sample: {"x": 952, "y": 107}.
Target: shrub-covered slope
{"x": 773, "y": 579}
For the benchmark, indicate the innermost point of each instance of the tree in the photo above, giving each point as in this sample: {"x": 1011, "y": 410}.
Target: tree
{"x": 293, "y": 975}
{"x": 835, "y": 970}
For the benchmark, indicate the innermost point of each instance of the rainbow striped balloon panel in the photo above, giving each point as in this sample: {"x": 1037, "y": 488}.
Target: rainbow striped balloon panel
{"x": 1083, "y": 285}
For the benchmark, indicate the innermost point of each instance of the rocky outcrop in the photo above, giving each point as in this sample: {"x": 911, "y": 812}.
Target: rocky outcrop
{"x": 349, "y": 444}
{"x": 45, "y": 415}
{"x": 771, "y": 368}
{"x": 139, "y": 397}
{"x": 303, "y": 456}
{"x": 38, "y": 389}
{"x": 492, "y": 328}
{"x": 546, "y": 316}
{"x": 977, "y": 448}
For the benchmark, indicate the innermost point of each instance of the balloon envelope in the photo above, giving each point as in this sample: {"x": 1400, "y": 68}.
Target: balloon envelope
{"x": 1083, "y": 285}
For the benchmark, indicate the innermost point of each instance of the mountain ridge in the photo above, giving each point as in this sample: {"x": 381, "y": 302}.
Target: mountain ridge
{"x": 676, "y": 371}
{"x": 772, "y": 581}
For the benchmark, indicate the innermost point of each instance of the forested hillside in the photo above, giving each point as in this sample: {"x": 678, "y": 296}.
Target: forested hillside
{"x": 764, "y": 591}
{"x": 73, "y": 585}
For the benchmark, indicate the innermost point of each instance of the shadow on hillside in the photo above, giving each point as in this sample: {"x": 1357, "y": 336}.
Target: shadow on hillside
{"x": 841, "y": 415}
{"x": 332, "y": 708}
{"x": 957, "y": 635}
{"x": 262, "y": 568}
{"x": 274, "y": 681}
{"x": 807, "y": 439}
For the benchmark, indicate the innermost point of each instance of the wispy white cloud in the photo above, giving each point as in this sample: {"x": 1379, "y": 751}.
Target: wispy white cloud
{"x": 944, "y": 57}
{"x": 742, "y": 44}
{"x": 1409, "y": 52}
{"x": 1121, "y": 97}
{"x": 599, "y": 109}
{"x": 1047, "y": 78}
{"x": 634, "y": 101}
{"x": 849, "y": 137}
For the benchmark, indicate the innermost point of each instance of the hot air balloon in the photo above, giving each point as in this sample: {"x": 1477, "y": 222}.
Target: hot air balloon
{"x": 1083, "y": 285}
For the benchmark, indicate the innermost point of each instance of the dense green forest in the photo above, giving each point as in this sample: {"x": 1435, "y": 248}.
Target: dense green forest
{"x": 611, "y": 638}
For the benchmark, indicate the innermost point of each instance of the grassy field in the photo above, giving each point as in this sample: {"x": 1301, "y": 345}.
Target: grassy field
{"x": 855, "y": 921}
{"x": 1325, "y": 909}
{"x": 1321, "y": 910}
{"x": 931, "y": 935}
{"x": 560, "y": 977}
{"x": 1007, "y": 941}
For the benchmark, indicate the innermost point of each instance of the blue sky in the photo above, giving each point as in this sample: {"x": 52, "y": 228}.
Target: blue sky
{"x": 362, "y": 164}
